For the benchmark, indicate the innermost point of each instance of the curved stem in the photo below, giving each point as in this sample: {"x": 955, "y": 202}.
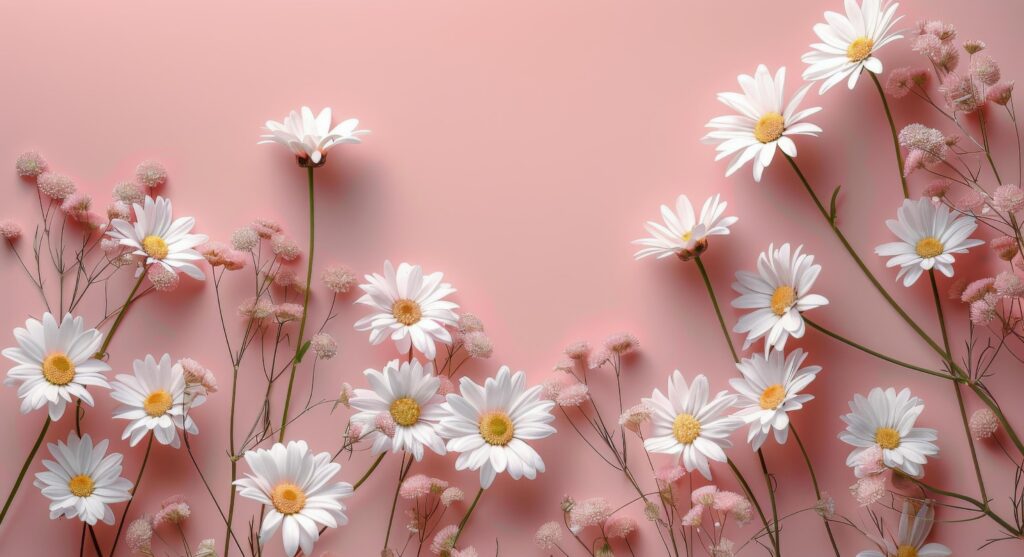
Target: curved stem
{"x": 369, "y": 472}
{"x": 895, "y": 138}
{"x": 403, "y": 470}
{"x": 102, "y": 353}
{"x": 983, "y": 508}
{"x": 750, "y": 495}
{"x": 814, "y": 482}
{"x": 465, "y": 519}
{"x": 771, "y": 496}
{"x": 24, "y": 468}
{"x": 877, "y": 354}
{"x": 718, "y": 309}
{"x": 135, "y": 491}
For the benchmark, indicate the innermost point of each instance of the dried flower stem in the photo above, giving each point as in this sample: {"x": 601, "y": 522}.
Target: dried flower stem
{"x": 135, "y": 490}
{"x": 892, "y": 128}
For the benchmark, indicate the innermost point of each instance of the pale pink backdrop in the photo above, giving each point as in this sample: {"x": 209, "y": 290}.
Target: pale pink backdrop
{"x": 518, "y": 147}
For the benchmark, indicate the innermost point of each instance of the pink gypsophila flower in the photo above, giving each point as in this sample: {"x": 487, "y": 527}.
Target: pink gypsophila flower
{"x": 738, "y": 506}
{"x": 469, "y": 323}
{"x": 9, "y": 230}
{"x": 288, "y": 312}
{"x": 162, "y": 278}
{"x": 245, "y": 239}
{"x": 869, "y": 490}
{"x": 478, "y": 345}
{"x": 978, "y": 289}
{"x": 620, "y": 527}
{"x": 573, "y": 395}
{"x": 1008, "y": 198}
{"x": 578, "y": 350}
{"x": 151, "y": 174}
{"x": 985, "y": 69}
{"x": 173, "y": 510}
{"x": 598, "y": 359}
{"x": 76, "y": 205}
{"x": 215, "y": 253}
{"x": 284, "y": 247}
{"x": 55, "y": 186}
{"x": 869, "y": 463}
{"x": 338, "y": 279}
{"x": 1006, "y": 247}
{"x": 971, "y": 202}
{"x": 415, "y": 486}
{"x": 30, "y": 164}
{"x": 266, "y": 228}
{"x": 704, "y": 495}
{"x": 324, "y": 346}
{"x": 196, "y": 375}
{"x": 235, "y": 260}
{"x": 1000, "y": 93}
{"x": 693, "y": 517}
{"x": 983, "y": 424}
{"x": 139, "y": 536}
{"x": 670, "y": 473}
{"x": 548, "y": 535}
{"x": 119, "y": 210}
{"x": 635, "y": 416}
{"x": 985, "y": 310}
{"x": 128, "y": 193}
{"x": 590, "y": 512}
{"x": 451, "y": 496}
{"x": 256, "y": 308}
{"x": 444, "y": 539}
{"x": 1009, "y": 285}
{"x": 621, "y": 343}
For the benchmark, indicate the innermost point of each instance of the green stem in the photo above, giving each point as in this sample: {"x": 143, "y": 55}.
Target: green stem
{"x": 305, "y": 308}
{"x": 369, "y": 472}
{"x": 895, "y": 138}
{"x": 465, "y": 519}
{"x": 102, "y": 353}
{"x": 983, "y": 508}
{"x": 24, "y": 468}
{"x": 403, "y": 470}
{"x": 814, "y": 482}
{"x": 750, "y": 495}
{"x": 776, "y": 542}
{"x": 135, "y": 491}
{"x": 718, "y": 309}
{"x": 876, "y": 354}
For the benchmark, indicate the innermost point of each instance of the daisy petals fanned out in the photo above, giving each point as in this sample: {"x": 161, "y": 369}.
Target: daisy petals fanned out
{"x": 154, "y": 399}
{"x": 159, "y": 238}
{"x": 912, "y": 534}
{"x": 83, "y": 481}
{"x": 682, "y": 234}
{"x": 849, "y": 43}
{"x": 885, "y": 419}
{"x": 309, "y": 137}
{"x": 771, "y": 388}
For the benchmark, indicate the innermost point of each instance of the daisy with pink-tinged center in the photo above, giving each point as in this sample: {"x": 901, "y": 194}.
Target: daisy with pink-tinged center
{"x": 55, "y": 363}
{"x": 778, "y": 293}
{"x": 309, "y": 137}
{"x": 491, "y": 425}
{"x": 407, "y": 392}
{"x": 685, "y": 423}
{"x": 929, "y": 236}
{"x": 769, "y": 390}
{"x": 83, "y": 480}
{"x": 885, "y": 419}
{"x": 159, "y": 238}
{"x": 849, "y": 43}
{"x": 409, "y": 307}
{"x": 683, "y": 234}
{"x": 297, "y": 486}
{"x": 916, "y": 522}
{"x": 763, "y": 123}
{"x": 155, "y": 400}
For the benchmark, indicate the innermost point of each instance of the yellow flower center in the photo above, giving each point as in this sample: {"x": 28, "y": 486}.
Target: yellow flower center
{"x": 772, "y": 397}
{"x": 81, "y": 485}
{"x": 685, "y": 428}
{"x": 686, "y": 236}
{"x": 406, "y": 311}
{"x": 58, "y": 369}
{"x": 288, "y": 498}
{"x": 929, "y": 247}
{"x": 782, "y": 299}
{"x": 158, "y": 403}
{"x": 154, "y": 246}
{"x": 769, "y": 127}
{"x": 405, "y": 411}
{"x": 496, "y": 428}
{"x": 887, "y": 438}
{"x": 860, "y": 49}
{"x": 906, "y": 551}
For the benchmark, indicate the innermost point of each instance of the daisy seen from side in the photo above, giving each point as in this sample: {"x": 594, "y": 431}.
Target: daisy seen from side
{"x": 683, "y": 234}
{"x": 159, "y": 238}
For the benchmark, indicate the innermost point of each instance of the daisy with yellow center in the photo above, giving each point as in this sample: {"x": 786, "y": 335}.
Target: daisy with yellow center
{"x": 916, "y": 521}
{"x": 928, "y": 235}
{"x": 490, "y": 426}
{"x": 849, "y": 42}
{"x": 159, "y": 238}
{"x": 688, "y": 423}
{"x": 83, "y": 481}
{"x": 771, "y": 388}
{"x": 681, "y": 233}
{"x": 294, "y": 484}
{"x": 885, "y": 419}
{"x": 154, "y": 399}
{"x": 403, "y": 394}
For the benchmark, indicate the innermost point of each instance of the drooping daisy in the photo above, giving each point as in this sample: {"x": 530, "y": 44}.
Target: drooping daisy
{"x": 54, "y": 363}
{"x": 83, "y": 481}
{"x": 762, "y": 124}
{"x": 929, "y": 236}
{"x": 407, "y": 393}
{"x": 310, "y": 137}
{"x": 849, "y": 43}
{"x": 885, "y": 420}
{"x": 769, "y": 390}
{"x": 160, "y": 239}
{"x": 915, "y": 525}
{"x": 154, "y": 399}
{"x": 409, "y": 307}
{"x": 490, "y": 426}
{"x": 686, "y": 424}
{"x": 296, "y": 485}
{"x": 778, "y": 293}
{"x": 682, "y": 234}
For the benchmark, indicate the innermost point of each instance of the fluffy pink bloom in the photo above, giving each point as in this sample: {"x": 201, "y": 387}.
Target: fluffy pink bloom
{"x": 285, "y": 278}
{"x": 338, "y": 279}
{"x": 256, "y": 308}
{"x": 902, "y": 81}
{"x": 235, "y": 260}
{"x": 869, "y": 489}
{"x": 590, "y": 512}
{"x": 266, "y": 228}
{"x": 245, "y": 239}
{"x": 128, "y": 193}
{"x": 936, "y": 189}
{"x": 971, "y": 202}
{"x": 151, "y": 174}
{"x": 469, "y": 323}
{"x": 55, "y": 186}
{"x": 983, "y": 424}
{"x": 30, "y": 164}
{"x": 119, "y": 210}
{"x": 985, "y": 69}
{"x": 928, "y": 140}
{"x": 162, "y": 278}
{"x": 345, "y": 395}
{"x": 139, "y": 536}
{"x": 974, "y": 46}
{"x": 869, "y": 463}
{"x": 76, "y": 204}
{"x": 1009, "y": 285}
{"x": 196, "y": 375}
{"x": 670, "y": 473}
{"x": 287, "y": 312}
{"x": 548, "y": 535}
{"x": 945, "y": 32}
{"x": 704, "y": 495}
{"x": 1000, "y": 93}
{"x": 451, "y": 496}
{"x": 732, "y": 503}
{"x": 578, "y": 350}
{"x": 635, "y": 416}
{"x": 1006, "y": 247}
{"x": 478, "y": 344}
{"x": 9, "y": 230}
{"x": 444, "y": 539}
{"x": 385, "y": 424}
{"x": 620, "y": 527}
{"x": 573, "y": 395}
{"x": 173, "y": 510}
{"x": 960, "y": 93}
{"x": 598, "y": 359}
{"x": 415, "y": 486}
{"x": 284, "y": 247}
{"x": 928, "y": 45}
{"x": 978, "y": 289}
{"x": 984, "y": 311}
{"x": 324, "y": 346}
{"x": 621, "y": 343}
{"x": 215, "y": 253}
{"x": 916, "y": 160}
{"x": 465, "y": 552}
{"x": 355, "y": 430}
{"x": 554, "y": 384}
{"x": 565, "y": 365}
{"x": 447, "y": 386}
{"x": 1008, "y": 198}
{"x": 693, "y": 517}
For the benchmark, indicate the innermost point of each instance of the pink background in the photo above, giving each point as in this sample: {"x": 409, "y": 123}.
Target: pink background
{"x": 518, "y": 148}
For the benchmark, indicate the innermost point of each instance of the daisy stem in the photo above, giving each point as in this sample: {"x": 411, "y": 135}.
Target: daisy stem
{"x": 718, "y": 309}
{"x": 814, "y": 482}
{"x": 982, "y": 507}
{"x": 135, "y": 491}
{"x": 876, "y": 354}
{"x": 465, "y": 519}
{"x": 102, "y": 353}
{"x": 892, "y": 128}
{"x": 750, "y": 495}
{"x": 403, "y": 471}
{"x": 24, "y": 468}
{"x": 305, "y": 309}
{"x": 771, "y": 496}
{"x": 369, "y": 472}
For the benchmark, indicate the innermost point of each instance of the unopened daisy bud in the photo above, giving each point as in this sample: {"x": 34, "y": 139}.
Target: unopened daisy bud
{"x": 1000, "y": 93}
{"x": 55, "y": 186}
{"x": 578, "y": 350}
{"x": 245, "y": 239}
{"x": 635, "y": 416}
{"x": 478, "y": 345}
{"x": 548, "y": 535}
{"x": 30, "y": 164}
{"x": 451, "y": 496}
{"x": 287, "y": 312}
{"x": 266, "y": 228}
{"x": 567, "y": 504}
{"x": 385, "y": 424}
{"x": 151, "y": 174}
{"x": 284, "y": 247}
{"x": 1006, "y": 247}
{"x": 9, "y": 230}
{"x": 983, "y": 424}
{"x": 621, "y": 343}
{"x": 196, "y": 375}
{"x": 826, "y": 506}
{"x": 139, "y": 537}
{"x": 985, "y": 70}
{"x": 1008, "y": 285}
{"x": 338, "y": 279}
{"x": 256, "y": 308}
{"x": 324, "y": 346}
{"x": 162, "y": 278}
{"x": 469, "y": 323}
{"x": 345, "y": 395}
{"x": 1008, "y": 198}
{"x": 128, "y": 193}
{"x": 119, "y": 210}
{"x": 974, "y": 47}
{"x": 572, "y": 396}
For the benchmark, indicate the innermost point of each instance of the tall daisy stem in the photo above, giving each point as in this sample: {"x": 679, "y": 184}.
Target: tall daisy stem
{"x": 403, "y": 471}
{"x": 135, "y": 491}
{"x": 305, "y": 308}
{"x": 102, "y": 353}
{"x": 771, "y": 496}
{"x": 24, "y": 468}
{"x": 465, "y": 519}
{"x": 814, "y": 482}
{"x": 750, "y": 495}
{"x": 718, "y": 309}
{"x": 895, "y": 138}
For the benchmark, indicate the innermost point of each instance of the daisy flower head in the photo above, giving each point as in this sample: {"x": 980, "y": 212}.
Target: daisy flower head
{"x": 916, "y": 522}
{"x": 407, "y": 392}
{"x": 409, "y": 307}
{"x": 849, "y": 43}
{"x": 763, "y": 122}
{"x": 683, "y": 234}
{"x": 771, "y": 388}
{"x": 154, "y": 399}
{"x": 491, "y": 425}
{"x": 778, "y": 293}
{"x": 159, "y": 238}
{"x": 309, "y": 137}
{"x": 83, "y": 480}
{"x": 54, "y": 363}
{"x": 689, "y": 425}
{"x": 929, "y": 235}
{"x": 885, "y": 419}
{"x": 296, "y": 485}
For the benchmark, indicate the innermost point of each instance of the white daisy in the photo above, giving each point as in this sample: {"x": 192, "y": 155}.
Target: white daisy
{"x": 406, "y": 396}
{"x": 929, "y": 236}
{"x": 490, "y": 426}
{"x": 686, "y": 424}
{"x": 683, "y": 234}
{"x": 769, "y": 389}
{"x": 310, "y": 137}
{"x": 914, "y": 530}
{"x": 409, "y": 307}
{"x": 296, "y": 485}
{"x": 154, "y": 399}
{"x": 849, "y": 43}
{"x": 83, "y": 480}
{"x": 761, "y": 124}
{"x": 159, "y": 239}
{"x": 54, "y": 363}
{"x": 886, "y": 420}
{"x": 778, "y": 293}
